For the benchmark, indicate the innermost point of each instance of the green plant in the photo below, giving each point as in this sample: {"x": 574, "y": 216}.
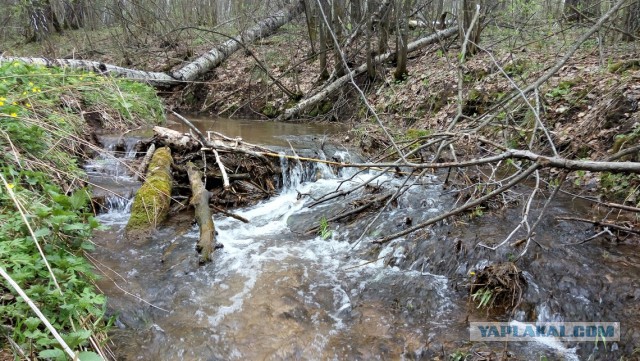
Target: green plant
{"x": 324, "y": 231}
{"x": 45, "y": 219}
{"x": 563, "y": 88}
{"x": 458, "y": 355}
{"x": 482, "y": 297}
{"x": 580, "y": 174}
{"x": 477, "y": 212}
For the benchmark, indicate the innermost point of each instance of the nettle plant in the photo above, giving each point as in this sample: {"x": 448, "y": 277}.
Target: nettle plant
{"x": 45, "y": 216}
{"x": 66, "y": 295}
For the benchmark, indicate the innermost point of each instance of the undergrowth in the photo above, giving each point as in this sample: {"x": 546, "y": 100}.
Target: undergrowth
{"x": 43, "y": 123}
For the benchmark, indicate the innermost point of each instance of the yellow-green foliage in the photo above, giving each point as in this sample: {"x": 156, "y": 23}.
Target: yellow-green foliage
{"x": 413, "y": 134}
{"x": 151, "y": 203}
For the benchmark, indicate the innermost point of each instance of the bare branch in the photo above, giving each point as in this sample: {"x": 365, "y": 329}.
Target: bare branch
{"x": 524, "y": 174}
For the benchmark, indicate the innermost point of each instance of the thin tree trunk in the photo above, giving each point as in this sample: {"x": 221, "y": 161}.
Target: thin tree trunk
{"x": 383, "y": 30}
{"x": 356, "y": 12}
{"x": 337, "y": 17}
{"x": 323, "y": 40}
{"x": 402, "y": 38}
{"x": 311, "y": 24}
{"x": 371, "y": 69}
{"x": 466, "y": 13}
{"x": 632, "y": 21}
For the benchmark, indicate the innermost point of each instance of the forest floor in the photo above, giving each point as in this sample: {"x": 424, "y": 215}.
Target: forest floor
{"x": 590, "y": 106}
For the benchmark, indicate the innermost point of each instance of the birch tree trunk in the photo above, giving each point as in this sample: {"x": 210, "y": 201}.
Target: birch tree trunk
{"x": 153, "y": 78}
{"x": 216, "y": 56}
{"x": 189, "y": 72}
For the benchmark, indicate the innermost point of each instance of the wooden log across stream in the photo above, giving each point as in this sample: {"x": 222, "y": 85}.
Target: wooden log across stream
{"x": 151, "y": 203}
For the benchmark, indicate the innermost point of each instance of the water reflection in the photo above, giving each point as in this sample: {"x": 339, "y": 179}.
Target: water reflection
{"x": 263, "y": 132}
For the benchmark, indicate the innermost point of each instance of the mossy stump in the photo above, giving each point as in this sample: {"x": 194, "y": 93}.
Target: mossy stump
{"x": 151, "y": 204}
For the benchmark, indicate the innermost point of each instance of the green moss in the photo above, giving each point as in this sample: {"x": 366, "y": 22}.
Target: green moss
{"x": 326, "y": 107}
{"x": 151, "y": 204}
{"x": 435, "y": 101}
{"x": 621, "y": 187}
{"x": 625, "y": 140}
{"x": 622, "y": 66}
{"x": 270, "y": 111}
{"x": 412, "y": 133}
{"x": 322, "y": 109}
{"x": 516, "y": 67}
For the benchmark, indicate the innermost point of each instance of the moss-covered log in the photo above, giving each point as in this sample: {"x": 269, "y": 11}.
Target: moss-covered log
{"x": 200, "y": 200}
{"x": 151, "y": 204}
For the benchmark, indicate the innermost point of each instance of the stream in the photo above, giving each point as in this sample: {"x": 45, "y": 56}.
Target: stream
{"x": 274, "y": 293}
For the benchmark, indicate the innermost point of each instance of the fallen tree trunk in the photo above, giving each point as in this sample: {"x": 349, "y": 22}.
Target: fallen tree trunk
{"x": 312, "y": 101}
{"x": 200, "y": 200}
{"x": 189, "y": 72}
{"x": 153, "y": 78}
{"x": 151, "y": 204}
{"x": 176, "y": 139}
{"x": 217, "y": 55}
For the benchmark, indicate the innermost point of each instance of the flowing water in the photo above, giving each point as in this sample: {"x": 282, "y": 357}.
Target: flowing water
{"x": 275, "y": 293}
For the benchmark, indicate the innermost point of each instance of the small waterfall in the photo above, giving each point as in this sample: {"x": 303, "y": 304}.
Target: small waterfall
{"x": 110, "y": 173}
{"x": 295, "y": 172}
{"x": 269, "y": 269}
{"x": 117, "y": 203}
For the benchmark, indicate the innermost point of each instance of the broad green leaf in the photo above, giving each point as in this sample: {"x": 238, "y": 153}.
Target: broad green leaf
{"x": 53, "y": 354}
{"x": 89, "y": 356}
{"x": 32, "y": 322}
{"x": 42, "y": 232}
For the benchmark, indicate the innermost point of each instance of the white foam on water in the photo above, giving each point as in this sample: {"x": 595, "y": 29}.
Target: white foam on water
{"x": 569, "y": 354}
{"x": 267, "y": 241}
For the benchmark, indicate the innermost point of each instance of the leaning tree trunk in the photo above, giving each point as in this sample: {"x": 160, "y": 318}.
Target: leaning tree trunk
{"x": 216, "y": 56}
{"x": 312, "y": 101}
{"x": 190, "y": 71}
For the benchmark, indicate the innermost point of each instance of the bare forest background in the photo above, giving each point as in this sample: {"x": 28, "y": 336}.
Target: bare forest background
{"x": 135, "y": 23}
